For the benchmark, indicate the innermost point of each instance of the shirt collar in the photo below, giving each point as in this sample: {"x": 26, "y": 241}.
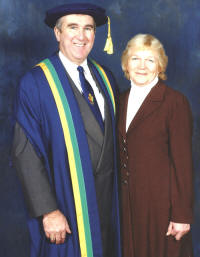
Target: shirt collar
{"x": 71, "y": 66}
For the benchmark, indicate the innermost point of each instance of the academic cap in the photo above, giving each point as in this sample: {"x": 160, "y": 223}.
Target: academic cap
{"x": 97, "y": 12}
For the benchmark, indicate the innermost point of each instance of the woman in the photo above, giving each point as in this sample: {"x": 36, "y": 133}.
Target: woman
{"x": 155, "y": 132}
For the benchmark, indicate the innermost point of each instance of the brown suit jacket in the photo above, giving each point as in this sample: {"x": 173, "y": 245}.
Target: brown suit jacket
{"x": 156, "y": 172}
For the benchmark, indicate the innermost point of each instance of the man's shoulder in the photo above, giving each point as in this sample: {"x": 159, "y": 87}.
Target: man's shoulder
{"x": 31, "y": 78}
{"x": 31, "y": 75}
{"x": 99, "y": 64}
{"x": 36, "y": 70}
{"x": 103, "y": 70}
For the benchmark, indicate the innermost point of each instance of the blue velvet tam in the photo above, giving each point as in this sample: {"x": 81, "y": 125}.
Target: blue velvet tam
{"x": 98, "y": 13}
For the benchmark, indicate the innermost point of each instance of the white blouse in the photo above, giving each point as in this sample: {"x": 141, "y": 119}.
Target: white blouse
{"x": 136, "y": 97}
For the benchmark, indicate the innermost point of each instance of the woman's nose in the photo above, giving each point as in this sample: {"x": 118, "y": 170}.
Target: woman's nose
{"x": 142, "y": 64}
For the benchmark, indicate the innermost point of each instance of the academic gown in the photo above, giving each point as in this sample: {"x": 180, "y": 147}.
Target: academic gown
{"x": 36, "y": 114}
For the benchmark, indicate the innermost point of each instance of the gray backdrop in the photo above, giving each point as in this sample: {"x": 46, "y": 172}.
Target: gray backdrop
{"x": 25, "y": 40}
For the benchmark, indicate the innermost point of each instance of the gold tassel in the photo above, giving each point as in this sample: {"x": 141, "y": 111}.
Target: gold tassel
{"x": 109, "y": 45}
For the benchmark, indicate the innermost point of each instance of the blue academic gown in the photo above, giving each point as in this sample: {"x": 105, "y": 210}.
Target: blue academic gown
{"x": 36, "y": 112}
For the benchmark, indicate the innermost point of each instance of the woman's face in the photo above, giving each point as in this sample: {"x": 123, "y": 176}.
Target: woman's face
{"x": 143, "y": 66}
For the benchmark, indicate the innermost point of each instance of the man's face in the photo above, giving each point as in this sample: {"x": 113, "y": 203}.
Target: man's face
{"x": 76, "y": 36}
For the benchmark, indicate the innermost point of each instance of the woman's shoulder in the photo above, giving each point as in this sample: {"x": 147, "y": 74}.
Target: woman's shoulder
{"x": 175, "y": 99}
{"x": 125, "y": 91}
{"x": 174, "y": 95}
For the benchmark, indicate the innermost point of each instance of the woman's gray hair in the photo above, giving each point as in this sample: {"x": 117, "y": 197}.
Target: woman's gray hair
{"x": 145, "y": 41}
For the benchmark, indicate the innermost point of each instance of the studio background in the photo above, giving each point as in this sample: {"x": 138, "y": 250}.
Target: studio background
{"x": 25, "y": 40}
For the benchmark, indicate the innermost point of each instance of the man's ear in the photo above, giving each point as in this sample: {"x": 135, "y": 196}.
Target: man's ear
{"x": 57, "y": 33}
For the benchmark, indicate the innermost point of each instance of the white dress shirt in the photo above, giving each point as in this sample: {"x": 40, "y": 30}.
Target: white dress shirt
{"x": 71, "y": 68}
{"x": 136, "y": 97}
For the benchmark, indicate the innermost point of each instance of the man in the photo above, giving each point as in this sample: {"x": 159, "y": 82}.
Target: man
{"x": 64, "y": 143}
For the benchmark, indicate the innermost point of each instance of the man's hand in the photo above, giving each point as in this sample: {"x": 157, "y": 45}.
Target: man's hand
{"x": 55, "y": 226}
{"x": 178, "y": 230}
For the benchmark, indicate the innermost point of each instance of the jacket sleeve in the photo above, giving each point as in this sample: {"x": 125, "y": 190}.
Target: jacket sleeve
{"x": 180, "y": 149}
{"x": 32, "y": 174}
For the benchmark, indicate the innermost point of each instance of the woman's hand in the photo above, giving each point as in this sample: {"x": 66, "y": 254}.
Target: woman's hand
{"x": 178, "y": 230}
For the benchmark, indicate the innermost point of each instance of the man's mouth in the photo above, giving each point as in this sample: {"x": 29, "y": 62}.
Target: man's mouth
{"x": 79, "y": 44}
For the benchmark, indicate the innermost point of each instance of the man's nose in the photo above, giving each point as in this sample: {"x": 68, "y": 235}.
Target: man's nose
{"x": 81, "y": 34}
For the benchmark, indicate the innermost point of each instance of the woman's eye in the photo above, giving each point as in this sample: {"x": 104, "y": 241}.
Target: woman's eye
{"x": 134, "y": 58}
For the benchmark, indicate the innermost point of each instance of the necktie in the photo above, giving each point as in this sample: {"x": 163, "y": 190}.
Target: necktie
{"x": 88, "y": 93}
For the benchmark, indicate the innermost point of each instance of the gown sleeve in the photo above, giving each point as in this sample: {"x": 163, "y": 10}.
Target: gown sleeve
{"x": 29, "y": 151}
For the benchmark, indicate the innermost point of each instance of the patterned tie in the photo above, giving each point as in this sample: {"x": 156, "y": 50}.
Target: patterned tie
{"x": 88, "y": 93}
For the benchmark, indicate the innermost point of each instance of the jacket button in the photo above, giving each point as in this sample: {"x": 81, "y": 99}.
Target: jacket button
{"x": 124, "y": 165}
{"x": 125, "y": 182}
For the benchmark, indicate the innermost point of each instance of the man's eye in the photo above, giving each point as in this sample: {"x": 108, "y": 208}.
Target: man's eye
{"x": 88, "y": 29}
{"x": 73, "y": 27}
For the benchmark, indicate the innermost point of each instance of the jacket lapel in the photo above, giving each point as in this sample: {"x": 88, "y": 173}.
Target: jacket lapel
{"x": 150, "y": 104}
{"x": 123, "y": 112}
